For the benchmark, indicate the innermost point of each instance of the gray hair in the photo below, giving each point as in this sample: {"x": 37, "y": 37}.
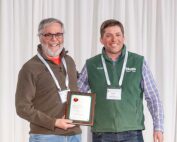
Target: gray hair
{"x": 46, "y": 22}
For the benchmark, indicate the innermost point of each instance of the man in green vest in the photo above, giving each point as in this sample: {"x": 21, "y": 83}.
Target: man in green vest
{"x": 120, "y": 80}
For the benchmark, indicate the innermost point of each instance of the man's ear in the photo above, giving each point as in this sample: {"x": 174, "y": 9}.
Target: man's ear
{"x": 40, "y": 39}
{"x": 101, "y": 40}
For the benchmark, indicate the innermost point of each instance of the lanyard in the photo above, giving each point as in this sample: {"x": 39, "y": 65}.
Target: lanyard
{"x": 51, "y": 72}
{"x": 122, "y": 72}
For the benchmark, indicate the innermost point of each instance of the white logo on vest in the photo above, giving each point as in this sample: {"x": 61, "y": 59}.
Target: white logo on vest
{"x": 130, "y": 69}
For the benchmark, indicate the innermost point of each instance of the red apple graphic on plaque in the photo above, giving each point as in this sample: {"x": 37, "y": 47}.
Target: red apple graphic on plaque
{"x": 76, "y": 99}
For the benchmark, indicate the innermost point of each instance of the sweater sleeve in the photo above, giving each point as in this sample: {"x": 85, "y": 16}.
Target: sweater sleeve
{"x": 24, "y": 97}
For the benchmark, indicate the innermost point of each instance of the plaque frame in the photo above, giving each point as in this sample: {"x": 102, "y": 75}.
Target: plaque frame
{"x": 70, "y": 104}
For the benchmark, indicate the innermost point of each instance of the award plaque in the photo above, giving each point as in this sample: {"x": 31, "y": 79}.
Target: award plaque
{"x": 80, "y": 107}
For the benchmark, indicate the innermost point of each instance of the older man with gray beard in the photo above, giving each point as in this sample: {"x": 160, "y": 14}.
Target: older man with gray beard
{"x": 42, "y": 87}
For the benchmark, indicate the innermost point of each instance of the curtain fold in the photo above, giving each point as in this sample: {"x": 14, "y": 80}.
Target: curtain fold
{"x": 150, "y": 30}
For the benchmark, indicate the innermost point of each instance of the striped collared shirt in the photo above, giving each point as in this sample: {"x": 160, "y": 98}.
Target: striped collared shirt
{"x": 150, "y": 91}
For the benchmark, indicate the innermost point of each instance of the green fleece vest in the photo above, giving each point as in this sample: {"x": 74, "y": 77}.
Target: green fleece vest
{"x": 117, "y": 115}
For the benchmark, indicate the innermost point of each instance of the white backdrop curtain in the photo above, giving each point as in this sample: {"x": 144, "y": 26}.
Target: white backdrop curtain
{"x": 150, "y": 30}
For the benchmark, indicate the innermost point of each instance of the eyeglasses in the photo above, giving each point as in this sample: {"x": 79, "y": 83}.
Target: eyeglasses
{"x": 50, "y": 35}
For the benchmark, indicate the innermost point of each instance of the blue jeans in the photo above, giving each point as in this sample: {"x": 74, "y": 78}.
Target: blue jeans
{"x": 128, "y": 136}
{"x": 54, "y": 138}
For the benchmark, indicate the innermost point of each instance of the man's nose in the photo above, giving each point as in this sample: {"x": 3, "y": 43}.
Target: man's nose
{"x": 54, "y": 37}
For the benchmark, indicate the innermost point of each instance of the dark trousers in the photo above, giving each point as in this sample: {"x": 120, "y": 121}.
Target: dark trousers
{"x": 128, "y": 136}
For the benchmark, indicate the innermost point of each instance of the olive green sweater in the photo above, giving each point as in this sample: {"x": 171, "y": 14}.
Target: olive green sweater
{"x": 37, "y": 98}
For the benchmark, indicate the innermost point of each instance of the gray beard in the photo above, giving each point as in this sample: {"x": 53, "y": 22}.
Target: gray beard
{"x": 50, "y": 52}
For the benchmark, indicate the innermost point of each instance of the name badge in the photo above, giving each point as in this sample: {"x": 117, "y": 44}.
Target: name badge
{"x": 113, "y": 94}
{"x": 63, "y": 95}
